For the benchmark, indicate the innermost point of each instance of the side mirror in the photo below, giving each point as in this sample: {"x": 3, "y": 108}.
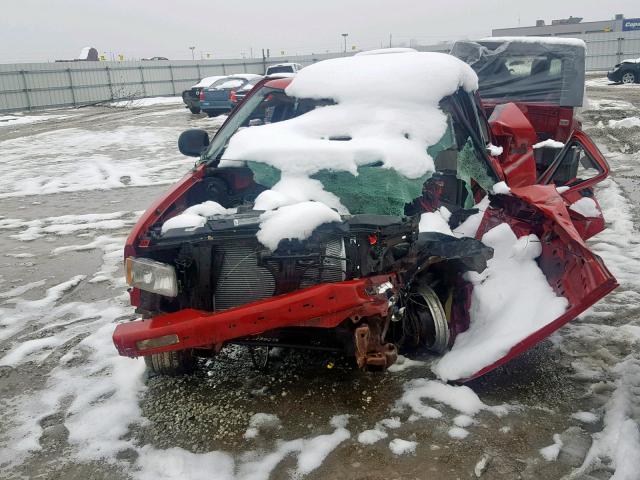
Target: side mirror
{"x": 193, "y": 142}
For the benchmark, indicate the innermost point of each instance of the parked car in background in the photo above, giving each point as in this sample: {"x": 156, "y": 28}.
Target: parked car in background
{"x": 154, "y": 58}
{"x": 216, "y": 99}
{"x": 627, "y": 71}
{"x": 191, "y": 97}
{"x": 283, "y": 68}
{"x": 236, "y": 96}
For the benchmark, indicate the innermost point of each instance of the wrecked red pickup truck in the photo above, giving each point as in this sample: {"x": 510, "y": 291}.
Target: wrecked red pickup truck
{"x": 329, "y": 213}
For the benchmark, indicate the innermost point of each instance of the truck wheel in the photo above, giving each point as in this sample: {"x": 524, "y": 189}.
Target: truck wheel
{"x": 174, "y": 363}
{"x": 426, "y": 323}
{"x": 628, "y": 77}
{"x": 194, "y": 109}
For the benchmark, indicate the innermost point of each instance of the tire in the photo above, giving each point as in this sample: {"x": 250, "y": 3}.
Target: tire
{"x": 628, "y": 78}
{"x": 194, "y": 109}
{"x": 180, "y": 362}
{"x": 426, "y": 322}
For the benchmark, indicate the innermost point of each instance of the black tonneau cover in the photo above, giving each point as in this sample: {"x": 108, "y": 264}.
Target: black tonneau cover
{"x": 527, "y": 69}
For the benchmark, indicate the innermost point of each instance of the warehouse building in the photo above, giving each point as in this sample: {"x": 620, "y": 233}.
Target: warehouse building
{"x": 568, "y": 27}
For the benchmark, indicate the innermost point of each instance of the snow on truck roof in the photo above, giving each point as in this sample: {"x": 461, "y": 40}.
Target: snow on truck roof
{"x": 574, "y": 42}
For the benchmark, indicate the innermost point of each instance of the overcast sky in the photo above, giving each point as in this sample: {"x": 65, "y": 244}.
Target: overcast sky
{"x": 41, "y": 30}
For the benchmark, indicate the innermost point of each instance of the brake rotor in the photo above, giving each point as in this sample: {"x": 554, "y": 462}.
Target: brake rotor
{"x": 429, "y": 319}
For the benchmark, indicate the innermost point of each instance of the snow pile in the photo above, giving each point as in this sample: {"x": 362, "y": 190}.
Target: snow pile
{"x": 494, "y": 151}
{"x": 551, "y": 452}
{"x": 437, "y": 221}
{"x": 585, "y": 417}
{"x": 380, "y": 125}
{"x": 196, "y": 216}
{"x": 402, "y": 447}
{"x": 261, "y": 421}
{"x": 549, "y": 143}
{"x": 619, "y": 441}
{"x": 586, "y": 207}
{"x": 296, "y": 221}
{"x": 501, "y": 188}
{"x": 379, "y": 432}
{"x": 470, "y": 226}
{"x": 460, "y": 398}
{"x": 629, "y": 122}
{"x": 402, "y": 363}
{"x": 458, "y": 433}
{"x": 369, "y": 437}
{"x": 297, "y": 190}
{"x": 511, "y": 299}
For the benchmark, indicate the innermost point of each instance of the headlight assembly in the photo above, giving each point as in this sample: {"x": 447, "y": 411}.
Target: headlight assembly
{"x": 152, "y": 276}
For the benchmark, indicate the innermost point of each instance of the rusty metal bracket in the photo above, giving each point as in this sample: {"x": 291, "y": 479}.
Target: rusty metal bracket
{"x": 370, "y": 349}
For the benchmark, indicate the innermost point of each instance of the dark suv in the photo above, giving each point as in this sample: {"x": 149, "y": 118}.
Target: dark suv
{"x": 626, "y": 72}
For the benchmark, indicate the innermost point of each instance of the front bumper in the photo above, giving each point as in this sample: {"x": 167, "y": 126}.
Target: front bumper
{"x": 613, "y": 76}
{"x": 323, "y": 306}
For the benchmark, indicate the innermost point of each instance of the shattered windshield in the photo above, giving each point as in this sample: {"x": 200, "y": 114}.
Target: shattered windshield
{"x": 461, "y": 168}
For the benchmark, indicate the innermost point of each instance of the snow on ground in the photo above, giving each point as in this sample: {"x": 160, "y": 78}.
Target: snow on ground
{"x": 19, "y": 119}
{"x": 28, "y": 230}
{"x": 551, "y": 452}
{"x": 629, "y": 122}
{"x": 402, "y": 447}
{"x": 601, "y": 82}
{"x": 77, "y": 159}
{"x": 146, "y": 102}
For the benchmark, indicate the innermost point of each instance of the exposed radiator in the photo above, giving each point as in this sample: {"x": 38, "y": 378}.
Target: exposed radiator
{"x": 241, "y": 280}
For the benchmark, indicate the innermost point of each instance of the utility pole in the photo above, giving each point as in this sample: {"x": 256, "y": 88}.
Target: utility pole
{"x": 390, "y": 37}
{"x": 193, "y": 57}
{"x": 345, "y": 35}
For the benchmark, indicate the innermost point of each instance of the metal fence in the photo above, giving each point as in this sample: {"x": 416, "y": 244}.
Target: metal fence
{"x": 33, "y": 86}
{"x": 606, "y": 49}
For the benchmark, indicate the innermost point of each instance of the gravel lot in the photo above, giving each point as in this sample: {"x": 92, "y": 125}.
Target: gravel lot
{"x": 73, "y": 185}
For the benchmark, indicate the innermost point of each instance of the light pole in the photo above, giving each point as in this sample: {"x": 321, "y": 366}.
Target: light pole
{"x": 192, "y": 54}
{"x": 345, "y": 35}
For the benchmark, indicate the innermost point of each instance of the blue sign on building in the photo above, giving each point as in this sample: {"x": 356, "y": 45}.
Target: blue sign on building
{"x": 629, "y": 24}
